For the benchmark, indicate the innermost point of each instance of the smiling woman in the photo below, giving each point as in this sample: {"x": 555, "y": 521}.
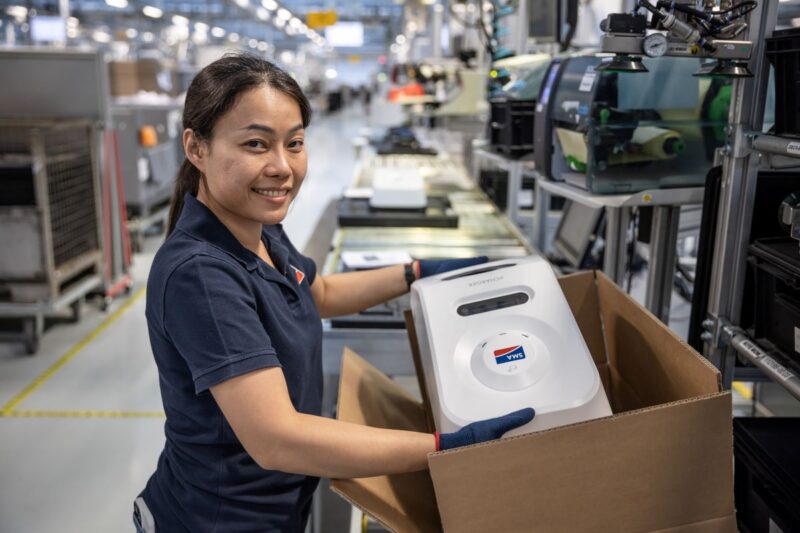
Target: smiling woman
{"x": 233, "y": 313}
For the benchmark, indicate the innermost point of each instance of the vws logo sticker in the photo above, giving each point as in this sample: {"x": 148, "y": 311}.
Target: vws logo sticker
{"x": 509, "y": 354}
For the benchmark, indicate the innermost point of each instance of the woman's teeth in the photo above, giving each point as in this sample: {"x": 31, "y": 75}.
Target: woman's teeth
{"x": 271, "y": 192}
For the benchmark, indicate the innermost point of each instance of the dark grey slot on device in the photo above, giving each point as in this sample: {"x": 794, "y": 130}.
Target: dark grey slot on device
{"x": 492, "y": 304}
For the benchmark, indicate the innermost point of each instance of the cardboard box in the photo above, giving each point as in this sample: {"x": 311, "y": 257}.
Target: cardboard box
{"x": 662, "y": 462}
{"x": 129, "y": 77}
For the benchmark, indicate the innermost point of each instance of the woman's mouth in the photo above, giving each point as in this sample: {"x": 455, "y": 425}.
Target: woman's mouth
{"x": 271, "y": 193}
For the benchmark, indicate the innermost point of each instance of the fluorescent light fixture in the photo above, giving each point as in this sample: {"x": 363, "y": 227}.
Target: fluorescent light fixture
{"x": 101, "y": 36}
{"x": 290, "y": 30}
{"x": 262, "y": 13}
{"x": 218, "y": 32}
{"x": 152, "y": 12}
{"x": 272, "y": 5}
{"x": 148, "y": 37}
{"x": 179, "y": 20}
{"x": 284, "y": 14}
{"x": 295, "y": 23}
{"x": 131, "y": 33}
{"x": 119, "y": 4}
{"x": 287, "y": 57}
{"x": 233, "y": 37}
{"x": 331, "y": 73}
{"x": 279, "y": 22}
{"x": 242, "y": 3}
{"x": 252, "y": 43}
{"x": 18, "y": 12}
{"x": 345, "y": 34}
{"x": 202, "y": 27}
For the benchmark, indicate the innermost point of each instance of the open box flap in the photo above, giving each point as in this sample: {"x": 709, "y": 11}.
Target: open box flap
{"x": 631, "y": 472}
{"x": 649, "y": 363}
{"x": 402, "y": 502}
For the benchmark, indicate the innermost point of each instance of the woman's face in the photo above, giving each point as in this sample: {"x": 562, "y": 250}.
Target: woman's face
{"x": 255, "y": 161}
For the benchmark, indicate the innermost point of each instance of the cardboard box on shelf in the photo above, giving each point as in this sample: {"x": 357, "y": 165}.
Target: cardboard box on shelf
{"x": 662, "y": 462}
{"x": 129, "y": 77}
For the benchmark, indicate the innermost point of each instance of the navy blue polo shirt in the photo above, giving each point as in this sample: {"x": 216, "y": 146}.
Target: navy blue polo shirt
{"x": 215, "y": 310}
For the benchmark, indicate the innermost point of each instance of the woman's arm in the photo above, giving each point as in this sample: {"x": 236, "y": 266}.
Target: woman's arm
{"x": 351, "y": 292}
{"x": 258, "y": 408}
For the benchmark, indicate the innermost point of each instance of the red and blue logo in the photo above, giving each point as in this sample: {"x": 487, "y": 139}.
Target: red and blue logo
{"x": 507, "y": 355}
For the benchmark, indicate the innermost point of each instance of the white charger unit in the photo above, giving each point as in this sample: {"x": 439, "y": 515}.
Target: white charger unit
{"x": 499, "y": 337}
{"x": 398, "y": 188}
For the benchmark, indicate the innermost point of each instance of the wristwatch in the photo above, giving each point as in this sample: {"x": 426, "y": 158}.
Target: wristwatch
{"x": 410, "y": 274}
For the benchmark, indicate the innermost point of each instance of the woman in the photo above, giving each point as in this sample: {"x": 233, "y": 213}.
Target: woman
{"x": 233, "y": 313}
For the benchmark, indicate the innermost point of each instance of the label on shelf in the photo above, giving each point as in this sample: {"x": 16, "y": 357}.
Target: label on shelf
{"x": 793, "y": 148}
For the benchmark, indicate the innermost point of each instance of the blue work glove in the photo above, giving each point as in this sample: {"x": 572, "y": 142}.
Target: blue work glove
{"x": 483, "y": 430}
{"x": 430, "y": 267}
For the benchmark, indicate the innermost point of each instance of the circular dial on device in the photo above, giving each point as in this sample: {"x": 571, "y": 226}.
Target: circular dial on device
{"x": 655, "y": 45}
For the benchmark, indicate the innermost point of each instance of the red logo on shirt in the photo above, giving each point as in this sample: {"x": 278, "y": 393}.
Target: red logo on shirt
{"x": 299, "y": 274}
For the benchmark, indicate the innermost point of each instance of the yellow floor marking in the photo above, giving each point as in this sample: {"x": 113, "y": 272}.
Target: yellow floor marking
{"x": 8, "y": 408}
{"x": 743, "y": 390}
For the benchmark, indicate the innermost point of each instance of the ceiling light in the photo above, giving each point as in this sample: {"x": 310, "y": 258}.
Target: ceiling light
{"x": 331, "y": 73}
{"x": 284, "y": 14}
{"x": 202, "y": 27}
{"x": 272, "y": 5}
{"x": 131, "y": 33}
{"x": 18, "y": 12}
{"x": 218, "y": 32}
{"x": 242, "y": 3}
{"x": 394, "y": 48}
{"x": 279, "y": 22}
{"x": 233, "y": 37}
{"x": 72, "y": 22}
{"x": 179, "y": 20}
{"x": 262, "y": 13}
{"x": 295, "y": 23}
{"x": 120, "y": 4}
{"x": 263, "y": 47}
{"x": 290, "y": 30}
{"x": 252, "y": 43}
{"x": 152, "y": 12}
{"x": 148, "y": 37}
{"x": 401, "y": 39}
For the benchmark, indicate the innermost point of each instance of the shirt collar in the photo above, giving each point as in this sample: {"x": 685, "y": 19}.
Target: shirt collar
{"x": 198, "y": 221}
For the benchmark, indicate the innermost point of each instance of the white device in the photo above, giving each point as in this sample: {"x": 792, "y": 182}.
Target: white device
{"x": 397, "y": 188}
{"x": 499, "y": 337}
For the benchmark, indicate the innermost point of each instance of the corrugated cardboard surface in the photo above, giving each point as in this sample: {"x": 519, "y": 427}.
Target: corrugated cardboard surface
{"x": 665, "y": 467}
{"x": 643, "y": 471}
{"x": 400, "y": 502}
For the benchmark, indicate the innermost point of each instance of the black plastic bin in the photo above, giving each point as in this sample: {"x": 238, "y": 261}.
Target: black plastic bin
{"x": 783, "y": 51}
{"x": 767, "y": 474}
{"x": 776, "y": 268}
{"x": 511, "y": 126}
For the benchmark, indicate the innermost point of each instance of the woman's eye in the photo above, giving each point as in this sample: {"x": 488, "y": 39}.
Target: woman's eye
{"x": 255, "y": 143}
{"x": 296, "y": 144}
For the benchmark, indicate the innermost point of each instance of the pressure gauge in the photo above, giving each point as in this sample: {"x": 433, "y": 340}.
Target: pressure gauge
{"x": 655, "y": 45}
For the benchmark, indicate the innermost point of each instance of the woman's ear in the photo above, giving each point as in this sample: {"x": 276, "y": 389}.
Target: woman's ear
{"x": 195, "y": 149}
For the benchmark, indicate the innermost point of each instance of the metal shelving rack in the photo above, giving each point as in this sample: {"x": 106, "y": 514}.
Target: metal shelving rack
{"x": 747, "y": 151}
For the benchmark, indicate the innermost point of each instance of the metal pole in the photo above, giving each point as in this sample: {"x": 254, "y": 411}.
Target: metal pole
{"x": 617, "y": 220}
{"x": 663, "y": 240}
{"x": 540, "y": 209}
{"x": 514, "y": 186}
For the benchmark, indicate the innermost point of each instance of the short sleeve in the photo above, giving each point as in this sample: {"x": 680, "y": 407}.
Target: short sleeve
{"x": 210, "y": 315}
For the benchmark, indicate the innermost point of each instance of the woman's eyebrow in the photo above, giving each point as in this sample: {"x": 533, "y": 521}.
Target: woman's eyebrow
{"x": 267, "y": 129}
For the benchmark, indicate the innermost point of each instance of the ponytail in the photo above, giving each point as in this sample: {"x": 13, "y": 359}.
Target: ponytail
{"x": 188, "y": 180}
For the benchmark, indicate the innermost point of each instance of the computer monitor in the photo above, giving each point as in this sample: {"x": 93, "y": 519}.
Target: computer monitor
{"x": 577, "y": 232}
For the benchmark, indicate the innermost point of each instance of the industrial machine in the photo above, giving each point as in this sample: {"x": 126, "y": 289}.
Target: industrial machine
{"x": 510, "y": 129}
{"x": 680, "y": 28}
{"x": 616, "y": 132}
{"x": 500, "y": 337}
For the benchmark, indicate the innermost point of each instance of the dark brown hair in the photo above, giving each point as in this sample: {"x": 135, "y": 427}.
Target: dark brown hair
{"x": 212, "y": 93}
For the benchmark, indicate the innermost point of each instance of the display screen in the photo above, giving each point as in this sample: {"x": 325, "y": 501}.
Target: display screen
{"x": 48, "y": 29}
{"x": 492, "y": 304}
{"x": 577, "y": 224}
{"x": 543, "y": 20}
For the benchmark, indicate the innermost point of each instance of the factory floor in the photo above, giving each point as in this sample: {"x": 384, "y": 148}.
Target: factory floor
{"x": 81, "y": 422}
